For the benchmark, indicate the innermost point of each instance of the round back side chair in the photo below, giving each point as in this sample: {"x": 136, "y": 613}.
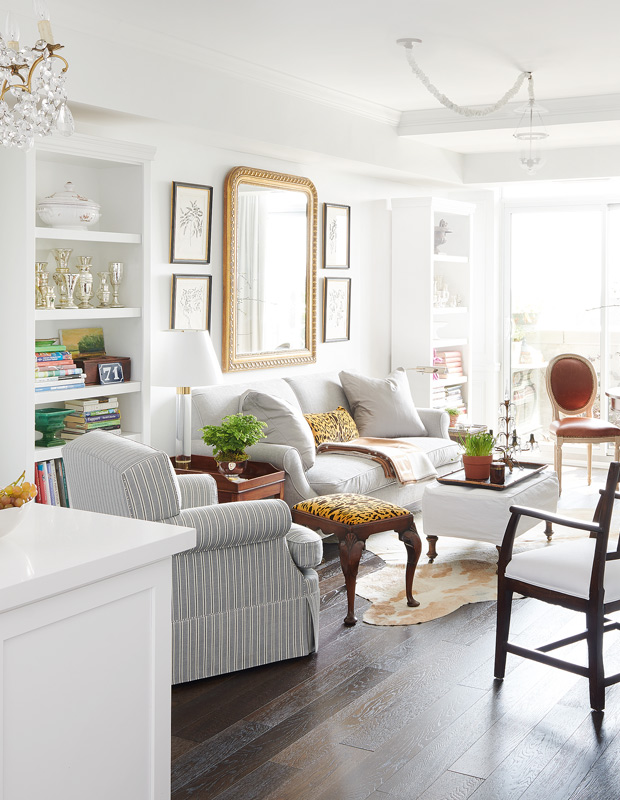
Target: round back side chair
{"x": 572, "y": 386}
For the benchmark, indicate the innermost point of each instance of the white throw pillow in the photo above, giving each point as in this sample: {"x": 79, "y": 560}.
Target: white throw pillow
{"x": 382, "y": 408}
{"x": 285, "y": 423}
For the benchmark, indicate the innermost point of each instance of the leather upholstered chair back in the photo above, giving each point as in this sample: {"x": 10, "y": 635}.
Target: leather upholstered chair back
{"x": 571, "y": 384}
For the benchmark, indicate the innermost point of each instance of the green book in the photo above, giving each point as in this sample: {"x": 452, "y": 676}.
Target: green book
{"x": 49, "y": 348}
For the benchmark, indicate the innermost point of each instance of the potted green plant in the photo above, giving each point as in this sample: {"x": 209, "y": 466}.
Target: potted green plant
{"x": 478, "y": 455}
{"x": 230, "y": 439}
{"x": 454, "y": 415}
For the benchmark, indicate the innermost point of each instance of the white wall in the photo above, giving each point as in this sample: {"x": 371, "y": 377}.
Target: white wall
{"x": 182, "y": 155}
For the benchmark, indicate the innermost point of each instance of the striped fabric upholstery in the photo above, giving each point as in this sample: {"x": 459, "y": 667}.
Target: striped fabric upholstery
{"x": 234, "y": 524}
{"x": 113, "y": 475}
{"x": 307, "y": 552}
{"x": 197, "y": 490}
{"x": 239, "y": 599}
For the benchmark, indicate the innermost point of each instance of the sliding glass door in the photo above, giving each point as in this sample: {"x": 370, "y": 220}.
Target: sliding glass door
{"x": 555, "y": 302}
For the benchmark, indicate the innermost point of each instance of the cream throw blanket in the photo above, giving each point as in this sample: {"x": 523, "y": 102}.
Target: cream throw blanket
{"x": 401, "y": 460}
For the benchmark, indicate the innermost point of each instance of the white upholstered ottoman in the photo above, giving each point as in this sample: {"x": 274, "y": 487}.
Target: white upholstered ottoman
{"x": 468, "y": 512}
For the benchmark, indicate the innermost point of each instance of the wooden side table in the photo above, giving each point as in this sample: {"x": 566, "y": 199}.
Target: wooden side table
{"x": 259, "y": 480}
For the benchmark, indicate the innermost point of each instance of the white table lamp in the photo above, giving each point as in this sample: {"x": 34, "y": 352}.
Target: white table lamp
{"x": 187, "y": 360}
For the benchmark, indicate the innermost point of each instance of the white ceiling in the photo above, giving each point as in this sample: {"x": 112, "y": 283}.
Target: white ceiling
{"x": 473, "y": 51}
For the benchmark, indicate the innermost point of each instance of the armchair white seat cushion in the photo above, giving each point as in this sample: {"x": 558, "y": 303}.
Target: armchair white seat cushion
{"x": 240, "y": 597}
{"x": 565, "y": 568}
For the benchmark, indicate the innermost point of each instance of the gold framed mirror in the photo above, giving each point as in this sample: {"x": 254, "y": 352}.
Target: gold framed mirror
{"x": 270, "y": 232}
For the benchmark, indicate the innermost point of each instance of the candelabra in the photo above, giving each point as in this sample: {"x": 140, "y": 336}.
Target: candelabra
{"x": 33, "y": 100}
{"x": 507, "y": 441}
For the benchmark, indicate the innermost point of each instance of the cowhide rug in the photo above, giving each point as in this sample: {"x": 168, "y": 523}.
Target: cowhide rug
{"x": 463, "y": 572}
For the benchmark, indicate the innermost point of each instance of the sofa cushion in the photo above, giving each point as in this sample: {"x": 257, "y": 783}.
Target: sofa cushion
{"x": 334, "y": 472}
{"x": 382, "y": 407}
{"x": 332, "y": 426}
{"x": 285, "y": 423}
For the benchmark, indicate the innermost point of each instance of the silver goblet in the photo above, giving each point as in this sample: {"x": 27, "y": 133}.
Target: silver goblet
{"x": 41, "y": 284}
{"x": 116, "y": 276}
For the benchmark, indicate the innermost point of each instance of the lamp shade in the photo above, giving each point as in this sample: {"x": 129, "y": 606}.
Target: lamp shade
{"x": 186, "y": 358}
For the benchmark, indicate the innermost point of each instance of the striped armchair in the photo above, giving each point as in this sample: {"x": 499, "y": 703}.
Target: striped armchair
{"x": 247, "y": 594}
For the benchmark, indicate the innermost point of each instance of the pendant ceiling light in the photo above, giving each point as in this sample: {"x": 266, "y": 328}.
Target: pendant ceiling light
{"x": 33, "y": 101}
{"x": 530, "y": 129}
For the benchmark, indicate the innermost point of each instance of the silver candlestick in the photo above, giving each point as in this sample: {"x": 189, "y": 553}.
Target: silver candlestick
{"x": 103, "y": 292}
{"x": 41, "y": 284}
{"x": 116, "y": 276}
{"x": 84, "y": 288}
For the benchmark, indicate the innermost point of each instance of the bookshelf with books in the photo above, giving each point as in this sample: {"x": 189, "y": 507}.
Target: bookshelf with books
{"x": 432, "y": 298}
{"x": 117, "y": 176}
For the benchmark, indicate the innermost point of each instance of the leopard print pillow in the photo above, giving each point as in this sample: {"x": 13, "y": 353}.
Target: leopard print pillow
{"x": 332, "y": 426}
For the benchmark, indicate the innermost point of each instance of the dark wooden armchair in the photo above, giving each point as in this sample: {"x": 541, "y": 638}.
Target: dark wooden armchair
{"x": 579, "y": 575}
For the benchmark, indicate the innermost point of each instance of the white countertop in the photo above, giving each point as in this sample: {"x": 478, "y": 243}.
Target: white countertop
{"x": 57, "y": 549}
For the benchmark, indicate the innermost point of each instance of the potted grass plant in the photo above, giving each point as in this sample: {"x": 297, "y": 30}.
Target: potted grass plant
{"x": 230, "y": 439}
{"x": 478, "y": 455}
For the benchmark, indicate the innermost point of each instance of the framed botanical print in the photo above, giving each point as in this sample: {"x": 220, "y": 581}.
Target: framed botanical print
{"x": 336, "y": 309}
{"x": 190, "y": 223}
{"x": 190, "y": 303}
{"x": 336, "y": 236}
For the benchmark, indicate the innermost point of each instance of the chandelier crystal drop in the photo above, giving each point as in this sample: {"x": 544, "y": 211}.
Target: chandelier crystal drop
{"x": 33, "y": 100}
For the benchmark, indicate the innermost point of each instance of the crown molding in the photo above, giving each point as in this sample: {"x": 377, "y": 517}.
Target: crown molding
{"x": 85, "y": 21}
{"x": 95, "y": 147}
{"x": 561, "y": 111}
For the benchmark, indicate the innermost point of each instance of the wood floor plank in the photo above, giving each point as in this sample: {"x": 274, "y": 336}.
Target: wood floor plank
{"x": 528, "y": 759}
{"x": 451, "y": 786}
{"x": 232, "y": 769}
{"x": 258, "y": 785}
{"x": 179, "y": 747}
{"x": 602, "y": 780}
{"x": 380, "y": 765}
{"x": 438, "y": 756}
{"x": 205, "y": 755}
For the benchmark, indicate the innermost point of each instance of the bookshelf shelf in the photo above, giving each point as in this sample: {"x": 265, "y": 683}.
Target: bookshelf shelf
{"x": 440, "y": 312}
{"x": 439, "y": 257}
{"x": 69, "y": 235}
{"x": 59, "y": 314}
{"x": 47, "y": 453}
{"x": 438, "y": 344}
{"x": 96, "y": 390}
{"x": 462, "y": 379}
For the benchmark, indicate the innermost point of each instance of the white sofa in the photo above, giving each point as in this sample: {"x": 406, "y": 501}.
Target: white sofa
{"x": 331, "y": 472}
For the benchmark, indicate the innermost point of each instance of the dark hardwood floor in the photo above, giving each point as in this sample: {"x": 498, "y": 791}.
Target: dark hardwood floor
{"x": 398, "y": 713}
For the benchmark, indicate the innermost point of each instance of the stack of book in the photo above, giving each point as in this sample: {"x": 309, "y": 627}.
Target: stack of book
{"x": 51, "y": 483}
{"x": 55, "y": 369}
{"x": 90, "y": 414}
{"x": 452, "y": 360}
{"x": 448, "y": 397}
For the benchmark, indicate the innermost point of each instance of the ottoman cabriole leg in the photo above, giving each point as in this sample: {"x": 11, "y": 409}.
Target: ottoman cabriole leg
{"x": 350, "y": 548}
{"x": 548, "y": 530}
{"x": 412, "y": 542}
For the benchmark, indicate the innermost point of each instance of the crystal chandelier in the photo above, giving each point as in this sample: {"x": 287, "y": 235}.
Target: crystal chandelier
{"x": 530, "y": 129}
{"x": 33, "y": 101}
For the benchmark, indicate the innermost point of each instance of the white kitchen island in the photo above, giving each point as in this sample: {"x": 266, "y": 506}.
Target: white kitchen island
{"x": 86, "y": 656}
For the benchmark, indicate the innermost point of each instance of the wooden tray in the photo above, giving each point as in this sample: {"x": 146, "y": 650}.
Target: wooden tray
{"x": 518, "y": 474}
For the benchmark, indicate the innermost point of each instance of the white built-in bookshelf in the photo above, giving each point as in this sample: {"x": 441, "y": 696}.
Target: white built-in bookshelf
{"x": 422, "y": 326}
{"x": 117, "y": 176}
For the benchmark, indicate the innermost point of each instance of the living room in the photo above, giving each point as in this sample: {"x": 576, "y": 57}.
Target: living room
{"x": 193, "y": 92}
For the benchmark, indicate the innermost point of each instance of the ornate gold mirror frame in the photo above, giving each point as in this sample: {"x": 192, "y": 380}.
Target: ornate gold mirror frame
{"x": 239, "y": 300}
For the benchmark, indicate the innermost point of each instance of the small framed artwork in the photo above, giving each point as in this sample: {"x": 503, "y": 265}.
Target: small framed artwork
{"x": 190, "y": 223}
{"x": 336, "y": 309}
{"x": 190, "y": 303}
{"x": 336, "y": 236}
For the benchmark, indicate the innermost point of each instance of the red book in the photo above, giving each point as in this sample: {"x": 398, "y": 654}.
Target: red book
{"x": 42, "y": 482}
{"x": 44, "y": 365}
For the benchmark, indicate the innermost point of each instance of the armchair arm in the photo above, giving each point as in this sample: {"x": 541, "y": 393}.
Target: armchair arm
{"x": 305, "y": 546}
{"x": 235, "y": 524}
{"x": 516, "y": 512}
{"x": 197, "y": 490}
{"x": 435, "y": 421}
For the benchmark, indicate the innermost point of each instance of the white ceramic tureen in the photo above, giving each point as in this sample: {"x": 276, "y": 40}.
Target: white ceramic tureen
{"x": 68, "y": 209}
